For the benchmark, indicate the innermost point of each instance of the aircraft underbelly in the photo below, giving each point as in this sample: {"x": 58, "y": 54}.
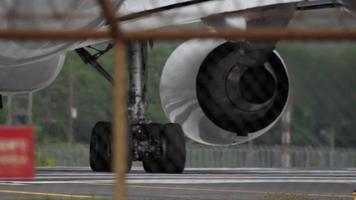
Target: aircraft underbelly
{"x": 13, "y": 52}
{"x": 188, "y": 14}
{"x": 31, "y": 65}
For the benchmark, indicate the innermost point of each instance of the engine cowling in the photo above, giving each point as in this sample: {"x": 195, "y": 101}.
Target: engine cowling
{"x": 30, "y": 77}
{"x": 223, "y": 93}
{"x": 350, "y": 6}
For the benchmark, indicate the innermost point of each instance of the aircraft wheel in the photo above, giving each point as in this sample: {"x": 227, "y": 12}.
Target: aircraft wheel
{"x": 174, "y": 152}
{"x": 152, "y": 162}
{"x": 169, "y": 140}
{"x": 101, "y": 148}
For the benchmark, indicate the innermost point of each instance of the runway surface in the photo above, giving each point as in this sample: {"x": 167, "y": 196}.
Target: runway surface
{"x": 199, "y": 184}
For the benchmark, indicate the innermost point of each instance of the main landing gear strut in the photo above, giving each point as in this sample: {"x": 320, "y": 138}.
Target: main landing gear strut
{"x": 160, "y": 147}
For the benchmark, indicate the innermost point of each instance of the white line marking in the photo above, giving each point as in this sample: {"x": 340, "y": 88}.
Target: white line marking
{"x": 173, "y": 181}
{"x": 265, "y": 175}
{"x": 11, "y": 184}
{"x": 187, "y": 181}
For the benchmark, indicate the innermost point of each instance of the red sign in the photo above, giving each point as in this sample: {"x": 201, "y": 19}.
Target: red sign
{"x": 16, "y": 153}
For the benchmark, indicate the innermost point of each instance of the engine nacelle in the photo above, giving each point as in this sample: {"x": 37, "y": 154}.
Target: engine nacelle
{"x": 221, "y": 93}
{"x": 29, "y": 77}
{"x": 350, "y": 6}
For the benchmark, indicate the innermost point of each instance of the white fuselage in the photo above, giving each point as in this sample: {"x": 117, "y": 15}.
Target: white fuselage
{"x": 31, "y": 65}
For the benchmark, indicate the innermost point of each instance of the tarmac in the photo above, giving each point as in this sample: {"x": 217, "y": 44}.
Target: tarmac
{"x": 197, "y": 184}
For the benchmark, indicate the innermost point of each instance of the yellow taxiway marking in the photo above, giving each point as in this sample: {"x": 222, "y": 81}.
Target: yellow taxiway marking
{"x": 238, "y": 191}
{"x": 74, "y": 196}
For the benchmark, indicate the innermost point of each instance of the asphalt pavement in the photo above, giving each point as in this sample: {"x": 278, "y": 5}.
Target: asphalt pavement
{"x": 197, "y": 184}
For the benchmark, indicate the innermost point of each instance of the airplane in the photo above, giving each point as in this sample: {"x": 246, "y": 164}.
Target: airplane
{"x": 215, "y": 92}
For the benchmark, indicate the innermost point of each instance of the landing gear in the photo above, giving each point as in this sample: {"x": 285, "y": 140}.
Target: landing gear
{"x": 169, "y": 157}
{"x": 160, "y": 147}
{"x": 101, "y": 148}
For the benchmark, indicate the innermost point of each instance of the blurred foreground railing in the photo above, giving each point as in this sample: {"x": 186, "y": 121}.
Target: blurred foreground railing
{"x": 199, "y": 156}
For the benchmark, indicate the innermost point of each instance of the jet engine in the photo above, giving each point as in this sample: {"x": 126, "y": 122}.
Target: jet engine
{"x": 30, "y": 76}
{"x": 350, "y": 6}
{"x": 223, "y": 93}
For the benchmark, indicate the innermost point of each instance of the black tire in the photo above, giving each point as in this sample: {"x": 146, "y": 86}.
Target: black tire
{"x": 100, "y": 147}
{"x": 101, "y": 157}
{"x": 152, "y": 163}
{"x": 174, "y": 152}
{"x": 129, "y": 152}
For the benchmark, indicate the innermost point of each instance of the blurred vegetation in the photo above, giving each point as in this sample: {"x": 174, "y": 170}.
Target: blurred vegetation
{"x": 323, "y": 91}
{"x": 323, "y": 95}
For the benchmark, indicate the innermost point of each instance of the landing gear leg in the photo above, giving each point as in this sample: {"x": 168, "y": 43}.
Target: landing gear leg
{"x": 161, "y": 148}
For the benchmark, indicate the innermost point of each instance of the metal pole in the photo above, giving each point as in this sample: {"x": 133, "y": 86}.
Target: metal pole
{"x": 331, "y": 135}
{"x": 286, "y": 137}
{"x": 1, "y": 105}
{"x": 9, "y": 110}
{"x": 29, "y": 109}
{"x": 120, "y": 119}
{"x": 257, "y": 34}
{"x": 70, "y": 136}
{"x": 120, "y": 108}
